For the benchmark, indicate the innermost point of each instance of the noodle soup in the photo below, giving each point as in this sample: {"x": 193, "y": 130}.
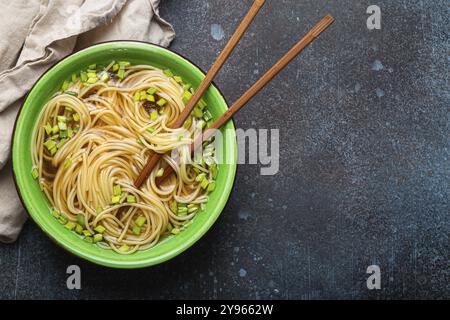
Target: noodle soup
{"x": 94, "y": 137}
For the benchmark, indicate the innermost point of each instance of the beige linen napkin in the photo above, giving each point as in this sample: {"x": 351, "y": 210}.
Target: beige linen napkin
{"x": 35, "y": 34}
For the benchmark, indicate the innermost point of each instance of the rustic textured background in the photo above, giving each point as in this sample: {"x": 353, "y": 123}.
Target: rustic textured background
{"x": 365, "y": 171}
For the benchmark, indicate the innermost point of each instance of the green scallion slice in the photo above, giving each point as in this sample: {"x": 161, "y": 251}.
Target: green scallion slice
{"x": 152, "y": 91}
{"x": 136, "y": 230}
{"x": 115, "y": 199}
{"x": 161, "y": 102}
{"x": 100, "y": 229}
{"x": 117, "y": 190}
{"x": 168, "y": 73}
{"x": 81, "y": 219}
{"x": 140, "y": 221}
{"x": 35, "y": 173}
{"x": 98, "y": 237}
{"x": 70, "y": 225}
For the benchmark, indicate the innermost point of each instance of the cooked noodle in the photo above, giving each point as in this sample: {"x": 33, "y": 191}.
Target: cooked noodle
{"x": 92, "y": 140}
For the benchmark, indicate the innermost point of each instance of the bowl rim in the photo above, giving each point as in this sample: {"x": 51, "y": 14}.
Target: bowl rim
{"x": 147, "y": 262}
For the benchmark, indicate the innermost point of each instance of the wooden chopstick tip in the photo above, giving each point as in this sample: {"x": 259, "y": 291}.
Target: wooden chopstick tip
{"x": 260, "y": 2}
{"x": 322, "y": 25}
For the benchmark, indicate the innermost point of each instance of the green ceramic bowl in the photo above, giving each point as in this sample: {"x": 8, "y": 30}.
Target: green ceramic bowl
{"x": 34, "y": 199}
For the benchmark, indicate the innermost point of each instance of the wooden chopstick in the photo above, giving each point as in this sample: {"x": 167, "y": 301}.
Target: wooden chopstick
{"x": 204, "y": 85}
{"x": 269, "y": 75}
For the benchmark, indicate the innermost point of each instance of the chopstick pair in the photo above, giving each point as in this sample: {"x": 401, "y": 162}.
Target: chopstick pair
{"x": 247, "y": 96}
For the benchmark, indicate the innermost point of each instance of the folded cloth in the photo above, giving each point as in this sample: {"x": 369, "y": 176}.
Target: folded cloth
{"x": 34, "y": 35}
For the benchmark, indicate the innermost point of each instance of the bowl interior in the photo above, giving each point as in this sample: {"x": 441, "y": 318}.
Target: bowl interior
{"x": 35, "y": 200}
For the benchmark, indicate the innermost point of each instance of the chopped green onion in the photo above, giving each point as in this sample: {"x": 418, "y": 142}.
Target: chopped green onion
{"x": 174, "y": 207}
{"x": 204, "y": 183}
{"x": 92, "y": 75}
{"x": 169, "y": 227}
{"x": 187, "y": 124}
{"x": 207, "y": 116}
{"x": 92, "y": 80}
{"x": 137, "y": 96}
{"x": 76, "y": 117}
{"x": 61, "y": 143}
{"x": 115, "y": 199}
{"x": 160, "y": 172}
{"x": 67, "y": 163}
{"x": 202, "y": 104}
{"x": 151, "y": 129}
{"x": 48, "y": 129}
{"x": 197, "y": 112}
{"x": 136, "y": 230}
{"x": 62, "y": 118}
{"x": 187, "y": 86}
{"x": 100, "y": 229}
{"x": 98, "y": 210}
{"x": 121, "y": 73}
{"x": 70, "y": 225}
{"x": 74, "y": 77}
{"x": 175, "y": 231}
{"x": 63, "y": 134}
{"x": 150, "y": 98}
{"x": 124, "y": 248}
{"x": 56, "y": 214}
{"x": 152, "y": 91}
{"x": 124, "y": 63}
{"x": 131, "y": 199}
{"x": 89, "y": 239}
{"x": 161, "y": 102}
{"x": 211, "y": 187}
{"x": 154, "y": 115}
{"x": 65, "y": 86}
{"x": 140, "y": 221}
{"x": 79, "y": 229}
{"x": 213, "y": 170}
{"x": 200, "y": 177}
{"x": 193, "y": 209}
{"x": 35, "y": 173}
{"x": 115, "y": 67}
{"x": 53, "y": 151}
{"x": 92, "y": 66}
{"x": 55, "y": 129}
{"x": 168, "y": 73}
{"x": 72, "y": 93}
{"x": 49, "y": 144}
{"x": 83, "y": 76}
{"x": 62, "y": 220}
{"x": 87, "y": 233}
{"x": 178, "y": 79}
{"x": 98, "y": 237}
{"x": 62, "y": 126}
{"x": 187, "y": 223}
{"x": 186, "y": 97}
{"x": 81, "y": 219}
{"x": 117, "y": 190}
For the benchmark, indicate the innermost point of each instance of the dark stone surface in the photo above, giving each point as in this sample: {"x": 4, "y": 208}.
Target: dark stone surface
{"x": 364, "y": 176}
